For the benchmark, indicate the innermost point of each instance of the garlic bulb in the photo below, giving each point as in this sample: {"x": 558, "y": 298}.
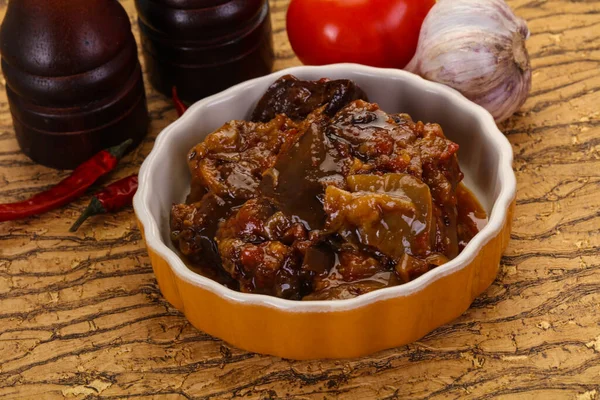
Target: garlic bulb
{"x": 478, "y": 48}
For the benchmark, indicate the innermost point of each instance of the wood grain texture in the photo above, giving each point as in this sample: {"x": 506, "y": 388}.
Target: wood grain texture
{"x": 81, "y": 315}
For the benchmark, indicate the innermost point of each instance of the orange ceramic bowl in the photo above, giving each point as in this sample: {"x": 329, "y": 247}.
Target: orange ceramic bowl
{"x": 378, "y": 320}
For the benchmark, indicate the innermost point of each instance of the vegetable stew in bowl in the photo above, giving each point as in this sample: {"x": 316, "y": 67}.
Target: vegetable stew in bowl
{"x": 322, "y": 195}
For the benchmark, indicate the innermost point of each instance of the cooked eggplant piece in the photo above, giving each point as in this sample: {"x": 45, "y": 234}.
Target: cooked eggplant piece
{"x": 297, "y": 99}
{"x": 391, "y": 213}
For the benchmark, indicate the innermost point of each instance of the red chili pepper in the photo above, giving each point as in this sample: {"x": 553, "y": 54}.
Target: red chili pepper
{"x": 179, "y": 106}
{"x": 112, "y": 198}
{"x": 69, "y": 188}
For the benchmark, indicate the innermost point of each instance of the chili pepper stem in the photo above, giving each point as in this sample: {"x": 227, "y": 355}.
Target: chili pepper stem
{"x": 119, "y": 151}
{"x": 94, "y": 208}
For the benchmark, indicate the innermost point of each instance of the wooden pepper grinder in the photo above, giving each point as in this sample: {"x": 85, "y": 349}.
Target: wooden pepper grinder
{"x": 73, "y": 78}
{"x": 204, "y": 46}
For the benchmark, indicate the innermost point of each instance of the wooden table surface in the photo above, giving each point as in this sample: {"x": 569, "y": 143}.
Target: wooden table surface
{"x": 81, "y": 314}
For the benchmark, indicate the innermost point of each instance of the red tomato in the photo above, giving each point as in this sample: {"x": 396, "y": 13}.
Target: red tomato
{"x": 382, "y": 33}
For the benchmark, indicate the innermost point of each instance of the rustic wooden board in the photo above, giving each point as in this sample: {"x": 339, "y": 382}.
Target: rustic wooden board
{"x": 81, "y": 314}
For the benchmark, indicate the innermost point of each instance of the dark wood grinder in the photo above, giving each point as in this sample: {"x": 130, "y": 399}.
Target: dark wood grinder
{"x": 73, "y": 78}
{"x": 204, "y": 46}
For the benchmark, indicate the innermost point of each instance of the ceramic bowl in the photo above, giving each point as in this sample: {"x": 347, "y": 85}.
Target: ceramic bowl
{"x": 374, "y": 321}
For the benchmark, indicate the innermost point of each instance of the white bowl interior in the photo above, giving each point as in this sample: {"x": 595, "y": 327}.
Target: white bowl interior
{"x": 485, "y": 155}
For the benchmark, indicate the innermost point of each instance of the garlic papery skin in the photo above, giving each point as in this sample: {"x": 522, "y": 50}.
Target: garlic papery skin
{"x": 478, "y": 48}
